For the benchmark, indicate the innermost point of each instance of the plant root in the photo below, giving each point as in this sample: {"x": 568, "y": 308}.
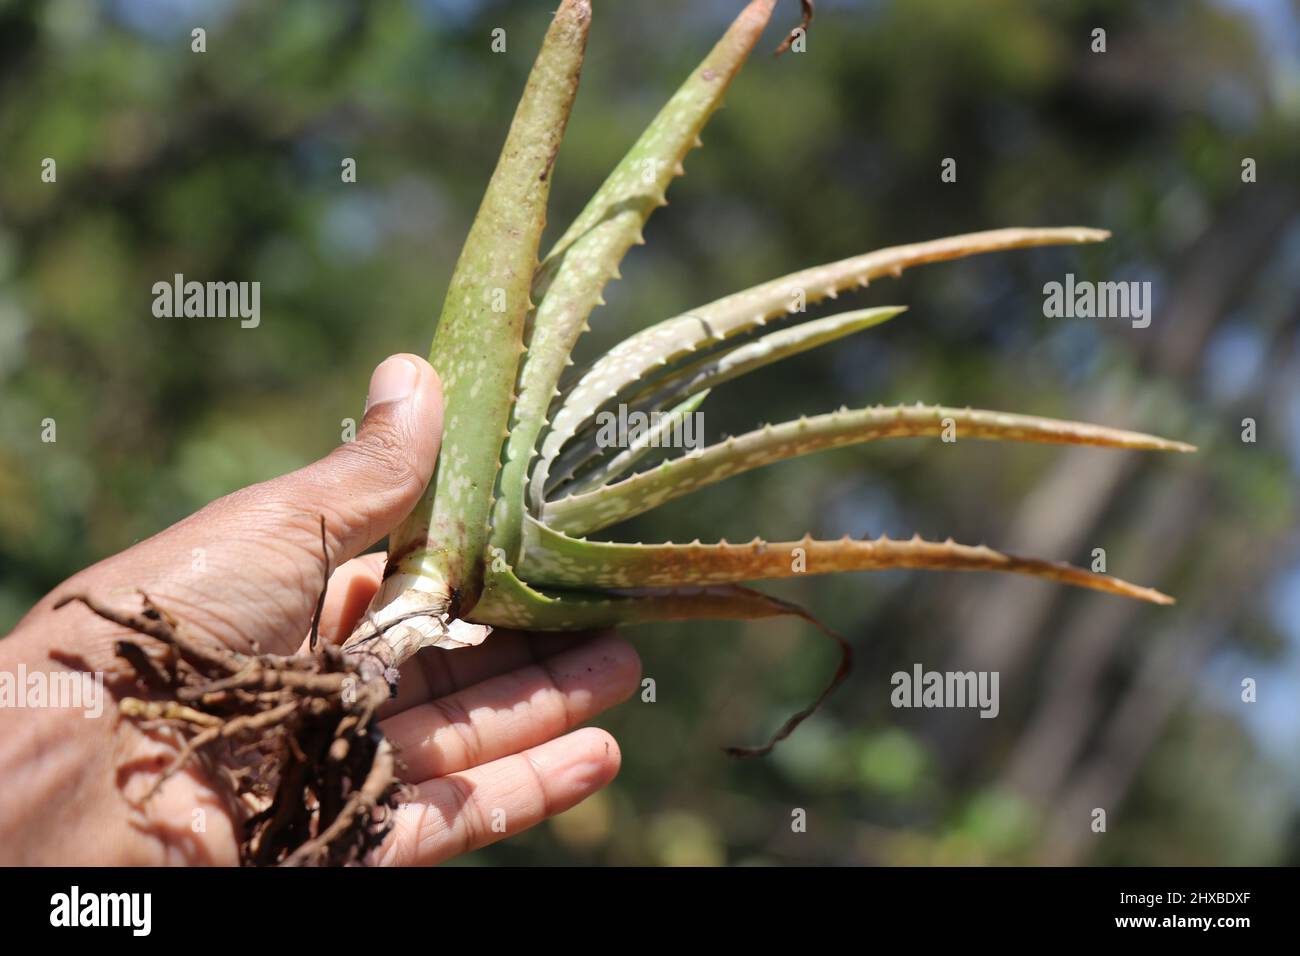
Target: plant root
{"x": 292, "y": 739}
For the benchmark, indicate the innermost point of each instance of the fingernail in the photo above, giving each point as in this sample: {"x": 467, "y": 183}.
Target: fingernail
{"x": 393, "y": 381}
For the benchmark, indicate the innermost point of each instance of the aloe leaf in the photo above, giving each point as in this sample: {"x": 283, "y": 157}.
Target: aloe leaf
{"x": 652, "y": 439}
{"x": 766, "y": 350}
{"x": 554, "y": 559}
{"x": 569, "y": 283}
{"x": 509, "y": 602}
{"x": 476, "y": 347}
{"x": 642, "y": 176}
{"x": 654, "y": 348}
{"x": 715, "y": 369}
{"x": 581, "y": 514}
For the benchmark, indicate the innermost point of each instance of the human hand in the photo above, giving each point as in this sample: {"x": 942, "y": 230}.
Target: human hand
{"x": 484, "y": 732}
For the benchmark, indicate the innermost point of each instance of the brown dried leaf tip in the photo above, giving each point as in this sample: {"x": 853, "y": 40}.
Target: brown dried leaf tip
{"x": 804, "y": 24}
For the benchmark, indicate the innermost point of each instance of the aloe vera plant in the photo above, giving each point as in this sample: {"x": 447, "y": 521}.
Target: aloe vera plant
{"x": 500, "y": 536}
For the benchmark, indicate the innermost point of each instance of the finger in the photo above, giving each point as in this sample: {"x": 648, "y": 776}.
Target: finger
{"x": 513, "y": 711}
{"x": 366, "y": 486}
{"x": 435, "y": 672}
{"x": 462, "y": 812}
{"x": 350, "y": 589}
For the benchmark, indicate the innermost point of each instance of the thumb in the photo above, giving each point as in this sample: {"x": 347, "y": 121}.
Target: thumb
{"x": 362, "y": 489}
{"x": 365, "y": 487}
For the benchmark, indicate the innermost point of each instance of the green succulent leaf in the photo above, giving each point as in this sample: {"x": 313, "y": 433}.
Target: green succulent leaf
{"x": 730, "y": 363}
{"x": 569, "y": 282}
{"x": 654, "y": 438}
{"x": 476, "y": 348}
{"x": 508, "y": 601}
{"x": 584, "y": 513}
{"x": 559, "y": 560}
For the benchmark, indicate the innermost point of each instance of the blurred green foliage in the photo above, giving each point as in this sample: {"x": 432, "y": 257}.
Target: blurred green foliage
{"x": 226, "y": 165}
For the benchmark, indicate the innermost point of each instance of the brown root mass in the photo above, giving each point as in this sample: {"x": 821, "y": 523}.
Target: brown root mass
{"x": 294, "y": 739}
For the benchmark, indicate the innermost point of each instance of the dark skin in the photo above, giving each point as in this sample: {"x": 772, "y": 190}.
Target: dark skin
{"x": 486, "y": 733}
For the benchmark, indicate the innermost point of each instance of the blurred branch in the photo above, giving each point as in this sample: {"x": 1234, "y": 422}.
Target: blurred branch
{"x": 1154, "y": 694}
